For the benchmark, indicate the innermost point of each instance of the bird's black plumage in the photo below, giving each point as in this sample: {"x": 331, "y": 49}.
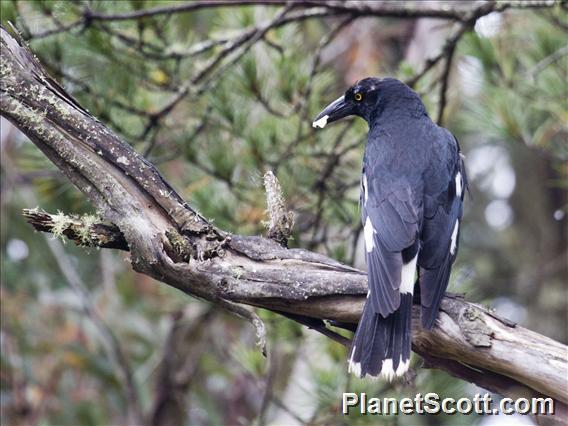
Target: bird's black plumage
{"x": 412, "y": 190}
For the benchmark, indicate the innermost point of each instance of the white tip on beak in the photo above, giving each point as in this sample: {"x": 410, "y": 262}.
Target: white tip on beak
{"x": 321, "y": 122}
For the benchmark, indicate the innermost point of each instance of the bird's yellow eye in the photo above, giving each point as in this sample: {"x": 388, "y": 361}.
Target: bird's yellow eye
{"x": 358, "y": 97}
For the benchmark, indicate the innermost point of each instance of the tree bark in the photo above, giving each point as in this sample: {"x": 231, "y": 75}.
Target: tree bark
{"x": 171, "y": 242}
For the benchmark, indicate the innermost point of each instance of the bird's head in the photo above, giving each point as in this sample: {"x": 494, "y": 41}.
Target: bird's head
{"x": 365, "y": 98}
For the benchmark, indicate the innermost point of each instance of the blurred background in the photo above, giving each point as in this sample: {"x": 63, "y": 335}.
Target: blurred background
{"x": 217, "y": 96}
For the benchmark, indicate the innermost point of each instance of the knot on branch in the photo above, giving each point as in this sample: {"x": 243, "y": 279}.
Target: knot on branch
{"x": 280, "y": 221}
{"x": 182, "y": 248}
{"x": 475, "y": 330}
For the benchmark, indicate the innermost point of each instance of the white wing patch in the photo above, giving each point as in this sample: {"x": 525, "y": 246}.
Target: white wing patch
{"x": 454, "y": 240}
{"x": 369, "y": 232}
{"x": 459, "y": 185}
{"x": 407, "y": 276}
{"x": 321, "y": 123}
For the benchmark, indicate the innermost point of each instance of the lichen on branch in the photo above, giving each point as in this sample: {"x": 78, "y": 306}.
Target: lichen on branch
{"x": 85, "y": 231}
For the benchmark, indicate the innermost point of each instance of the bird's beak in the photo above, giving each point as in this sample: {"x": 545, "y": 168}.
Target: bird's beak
{"x": 334, "y": 111}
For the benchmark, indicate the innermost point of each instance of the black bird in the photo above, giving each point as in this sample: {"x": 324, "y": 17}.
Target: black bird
{"x": 412, "y": 190}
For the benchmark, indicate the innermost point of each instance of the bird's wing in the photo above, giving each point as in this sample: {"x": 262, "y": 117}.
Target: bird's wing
{"x": 443, "y": 200}
{"x": 390, "y": 225}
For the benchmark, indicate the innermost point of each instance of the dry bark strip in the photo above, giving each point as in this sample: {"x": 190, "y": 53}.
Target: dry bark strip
{"x": 170, "y": 241}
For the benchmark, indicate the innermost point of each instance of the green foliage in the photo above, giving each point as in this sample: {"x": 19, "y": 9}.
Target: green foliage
{"x": 528, "y": 69}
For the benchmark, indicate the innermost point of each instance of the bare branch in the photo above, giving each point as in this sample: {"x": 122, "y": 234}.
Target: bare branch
{"x": 386, "y": 9}
{"x": 549, "y": 60}
{"x": 85, "y": 231}
{"x": 249, "y": 315}
{"x": 466, "y": 24}
{"x": 58, "y": 30}
{"x": 467, "y": 339}
{"x": 184, "y": 7}
{"x": 281, "y": 221}
{"x": 448, "y": 47}
{"x": 444, "y": 84}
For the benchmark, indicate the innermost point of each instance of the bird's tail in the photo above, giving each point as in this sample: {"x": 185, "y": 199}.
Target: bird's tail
{"x": 381, "y": 346}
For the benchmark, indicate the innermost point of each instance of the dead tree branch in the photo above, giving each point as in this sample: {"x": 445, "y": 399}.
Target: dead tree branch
{"x": 332, "y": 7}
{"x": 84, "y": 231}
{"x": 280, "y": 221}
{"x": 171, "y": 242}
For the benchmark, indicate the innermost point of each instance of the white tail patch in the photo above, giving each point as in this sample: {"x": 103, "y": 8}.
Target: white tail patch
{"x": 407, "y": 276}
{"x": 321, "y": 123}
{"x": 402, "y": 367}
{"x": 454, "y": 241}
{"x": 459, "y": 185}
{"x": 354, "y": 367}
{"x": 389, "y": 373}
{"x": 368, "y": 232}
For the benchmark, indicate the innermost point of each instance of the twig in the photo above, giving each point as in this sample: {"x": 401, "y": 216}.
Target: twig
{"x": 461, "y": 28}
{"x": 196, "y": 49}
{"x": 288, "y": 410}
{"x": 139, "y": 45}
{"x": 324, "y": 8}
{"x": 246, "y": 45}
{"x": 270, "y": 379}
{"x": 281, "y": 221}
{"x": 186, "y": 7}
{"x": 257, "y": 92}
{"x": 302, "y": 107}
{"x": 249, "y": 315}
{"x": 557, "y": 21}
{"x": 323, "y": 43}
{"x": 86, "y": 231}
{"x": 549, "y": 60}
{"x": 386, "y": 9}
{"x": 89, "y": 90}
{"x": 250, "y": 35}
{"x": 60, "y": 29}
{"x": 448, "y": 46}
{"x": 321, "y": 185}
{"x": 444, "y": 84}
